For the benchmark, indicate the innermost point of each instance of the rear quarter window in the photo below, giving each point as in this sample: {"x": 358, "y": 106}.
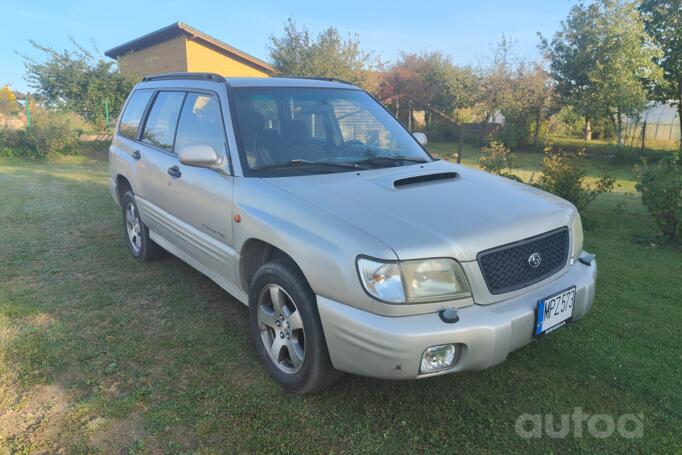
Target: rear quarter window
{"x": 132, "y": 115}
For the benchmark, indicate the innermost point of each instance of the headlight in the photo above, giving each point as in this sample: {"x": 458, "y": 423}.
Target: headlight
{"x": 383, "y": 280}
{"x": 419, "y": 281}
{"x": 577, "y": 232}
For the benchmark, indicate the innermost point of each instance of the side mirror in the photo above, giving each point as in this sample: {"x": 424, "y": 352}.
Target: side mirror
{"x": 420, "y": 137}
{"x": 199, "y": 156}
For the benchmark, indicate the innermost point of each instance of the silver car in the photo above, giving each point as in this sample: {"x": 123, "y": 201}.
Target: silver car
{"x": 354, "y": 249}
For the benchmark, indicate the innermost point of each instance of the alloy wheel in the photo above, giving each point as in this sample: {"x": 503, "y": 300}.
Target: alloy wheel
{"x": 281, "y": 329}
{"x": 133, "y": 227}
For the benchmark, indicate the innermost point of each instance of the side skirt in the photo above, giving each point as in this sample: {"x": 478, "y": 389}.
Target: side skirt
{"x": 219, "y": 280}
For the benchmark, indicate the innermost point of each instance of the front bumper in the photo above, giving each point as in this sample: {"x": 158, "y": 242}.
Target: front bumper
{"x": 368, "y": 344}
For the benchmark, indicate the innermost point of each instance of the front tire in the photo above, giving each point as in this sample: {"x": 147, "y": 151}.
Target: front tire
{"x": 136, "y": 233}
{"x": 286, "y": 329}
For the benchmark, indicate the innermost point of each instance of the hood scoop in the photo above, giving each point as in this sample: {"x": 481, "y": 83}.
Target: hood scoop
{"x": 425, "y": 178}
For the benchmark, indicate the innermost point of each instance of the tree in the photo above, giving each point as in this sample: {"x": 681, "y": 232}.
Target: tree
{"x": 432, "y": 79}
{"x": 542, "y": 102}
{"x": 663, "y": 22}
{"x": 496, "y": 75}
{"x": 8, "y": 101}
{"x": 297, "y": 53}
{"x": 521, "y": 91}
{"x": 602, "y": 61}
{"x": 77, "y": 81}
{"x": 525, "y": 99}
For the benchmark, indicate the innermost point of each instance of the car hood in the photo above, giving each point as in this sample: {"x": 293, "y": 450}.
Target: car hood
{"x": 445, "y": 217}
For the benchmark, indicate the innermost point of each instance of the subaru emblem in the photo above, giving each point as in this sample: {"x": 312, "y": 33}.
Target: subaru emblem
{"x": 534, "y": 260}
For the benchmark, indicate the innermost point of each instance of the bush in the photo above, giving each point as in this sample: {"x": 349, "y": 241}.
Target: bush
{"x": 563, "y": 174}
{"x": 13, "y": 142}
{"x": 439, "y": 130}
{"x": 609, "y": 151}
{"x": 661, "y": 188}
{"x": 497, "y": 159}
{"x": 516, "y": 131}
{"x": 50, "y": 133}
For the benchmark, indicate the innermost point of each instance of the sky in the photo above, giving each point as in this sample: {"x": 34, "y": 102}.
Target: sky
{"x": 465, "y": 30}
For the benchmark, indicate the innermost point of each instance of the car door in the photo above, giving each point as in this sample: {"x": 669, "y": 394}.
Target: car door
{"x": 155, "y": 148}
{"x": 200, "y": 198}
{"x": 124, "y": 147}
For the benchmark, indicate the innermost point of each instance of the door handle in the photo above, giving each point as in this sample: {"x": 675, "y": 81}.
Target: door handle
{"x": 137, "y": 155}
{"x": 174, "y": 171}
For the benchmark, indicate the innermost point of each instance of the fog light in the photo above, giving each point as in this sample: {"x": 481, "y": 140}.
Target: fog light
{"x": 438, "y": 358}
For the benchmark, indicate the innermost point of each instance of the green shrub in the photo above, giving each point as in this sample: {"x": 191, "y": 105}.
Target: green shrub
{"x": 50, "y": 133}
{"x": 497, "y": 159}
{"x": 439, "y": 130}
{"x": 610, "y": 151}
{"x": 661, "y": 188}
{"x": 516, "y": 131}
{"x": 13, "y": 142}
{"x": 563, "y": 174}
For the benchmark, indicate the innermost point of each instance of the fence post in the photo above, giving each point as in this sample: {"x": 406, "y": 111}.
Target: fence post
{"x": 460, "y": 146}
{"x": 106, "y": 111}
{"x": 28, "y": 113}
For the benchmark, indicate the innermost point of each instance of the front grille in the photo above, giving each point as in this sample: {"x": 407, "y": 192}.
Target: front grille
{"x": 507, "y": 268}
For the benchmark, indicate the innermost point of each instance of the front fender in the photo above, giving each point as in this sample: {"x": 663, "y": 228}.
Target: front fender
{"x": 324, "y": 246}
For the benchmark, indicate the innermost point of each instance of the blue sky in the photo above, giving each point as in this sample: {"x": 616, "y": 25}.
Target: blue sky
{"x": 464, "y": 30}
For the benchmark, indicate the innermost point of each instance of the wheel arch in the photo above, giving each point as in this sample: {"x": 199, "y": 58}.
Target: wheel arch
{"x": 122, "y": 185}
{"x": 254, "y": 254}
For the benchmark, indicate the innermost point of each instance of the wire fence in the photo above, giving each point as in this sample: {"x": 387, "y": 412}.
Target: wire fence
{"x": 659, "y": 126}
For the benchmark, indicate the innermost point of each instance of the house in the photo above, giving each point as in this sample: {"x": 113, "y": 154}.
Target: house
{"x": 179, "y": 47}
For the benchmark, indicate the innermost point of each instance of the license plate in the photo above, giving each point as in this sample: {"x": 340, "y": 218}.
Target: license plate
{"x": 554, "y": 311}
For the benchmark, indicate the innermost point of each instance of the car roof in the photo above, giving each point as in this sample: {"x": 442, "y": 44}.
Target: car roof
{"x": 193, "y": 80}
{"x": 287, "y": 82}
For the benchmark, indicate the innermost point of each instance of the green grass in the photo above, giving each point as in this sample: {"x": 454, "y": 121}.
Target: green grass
{"x": 99, "y": 353}
{"x": 528, "y": 165}
{"x": 600, "y": 146}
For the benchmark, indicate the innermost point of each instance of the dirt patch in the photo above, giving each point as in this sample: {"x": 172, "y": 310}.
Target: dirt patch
{"x": 115, "y": 435}
{"x": 42, "y": 319}
{"x": 27, "y": 424}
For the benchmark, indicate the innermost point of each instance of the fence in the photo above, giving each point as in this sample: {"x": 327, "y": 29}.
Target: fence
{"x": 23, "y": 117}
{"x": 659, "y": 126}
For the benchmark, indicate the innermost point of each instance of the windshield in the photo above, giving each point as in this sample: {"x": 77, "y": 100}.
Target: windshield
{"x": 287, "y": 131}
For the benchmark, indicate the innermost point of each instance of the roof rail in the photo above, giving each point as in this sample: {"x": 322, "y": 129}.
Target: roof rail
{"x": 195, "y": 76}
{"x": 328, "y": 79}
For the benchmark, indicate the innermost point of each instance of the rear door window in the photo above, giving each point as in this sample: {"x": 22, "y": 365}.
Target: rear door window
{"x": 131, "y": 117}
{"x": 159, "y": 130}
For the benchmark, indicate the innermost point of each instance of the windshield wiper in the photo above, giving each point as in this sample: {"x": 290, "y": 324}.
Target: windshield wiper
{"x": 389, "y": 159}
{"x": 309, "y": 163}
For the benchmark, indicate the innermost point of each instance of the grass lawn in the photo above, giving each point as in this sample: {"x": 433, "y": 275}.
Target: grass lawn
{"x": 99, "y": 353}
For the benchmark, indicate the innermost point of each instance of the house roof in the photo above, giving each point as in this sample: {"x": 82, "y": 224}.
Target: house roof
{"x": 179, "y": 29}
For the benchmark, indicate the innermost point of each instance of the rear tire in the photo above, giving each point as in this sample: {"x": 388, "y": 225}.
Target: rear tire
{"x": 136, "y": 233}
{"x": 286, "y": 329}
